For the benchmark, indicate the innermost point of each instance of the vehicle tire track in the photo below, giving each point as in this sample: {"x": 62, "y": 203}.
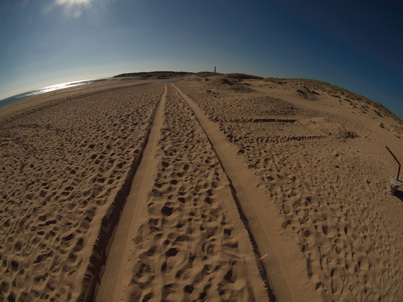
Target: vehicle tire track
{"x": 258, "y": 254}
{"x": 111, "y": 287}
{"x": 280, "y": 258}
{"x": 191, "y": 244}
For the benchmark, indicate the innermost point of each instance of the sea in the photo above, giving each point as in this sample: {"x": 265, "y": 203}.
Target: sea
{"x": 28, "y": 94}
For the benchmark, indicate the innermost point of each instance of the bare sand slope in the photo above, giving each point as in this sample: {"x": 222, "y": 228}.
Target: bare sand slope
{"x": 189, "y": 242}
{"x": 319, "y": 152}
{"x": 64, "y": 162}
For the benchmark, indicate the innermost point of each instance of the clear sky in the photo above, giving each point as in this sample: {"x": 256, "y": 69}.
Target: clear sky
{"x": 354, "y": 44}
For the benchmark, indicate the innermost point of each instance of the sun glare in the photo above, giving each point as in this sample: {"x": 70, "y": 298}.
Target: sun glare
{"x": 74, "y": 8}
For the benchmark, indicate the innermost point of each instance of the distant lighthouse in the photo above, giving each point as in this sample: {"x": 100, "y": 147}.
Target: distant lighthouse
{"x": 215, "y": 69}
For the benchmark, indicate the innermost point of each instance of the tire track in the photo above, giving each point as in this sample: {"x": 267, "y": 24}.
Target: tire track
{"x": 258, "y": 254}
{"x": 280, "y": 260}
{"x": 112, "y": 282}
{"x": 190, "y": 244}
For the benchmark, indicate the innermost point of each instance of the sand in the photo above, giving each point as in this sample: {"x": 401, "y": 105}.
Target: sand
{"x": 63, "y": 163}
{"x": 325, "y": 166}
{"x": 213, "y": 188}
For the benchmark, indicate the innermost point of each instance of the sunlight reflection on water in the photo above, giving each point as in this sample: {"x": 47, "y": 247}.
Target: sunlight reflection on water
{"x": 28, "y": 94}
{"x": 57, "y": 87}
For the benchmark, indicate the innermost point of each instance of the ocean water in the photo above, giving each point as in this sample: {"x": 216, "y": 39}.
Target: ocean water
{"x": 25, "y": 95}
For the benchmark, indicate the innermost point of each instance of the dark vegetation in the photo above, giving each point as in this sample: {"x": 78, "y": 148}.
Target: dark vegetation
{"x": 154, "y": 74}
{"x": 207, "y": 74}
{"x": 242, "y": 76}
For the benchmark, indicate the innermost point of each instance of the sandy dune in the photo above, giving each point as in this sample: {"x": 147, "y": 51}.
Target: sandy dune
{"x": 229, "y": 189}
{"x": 328, "y": 173}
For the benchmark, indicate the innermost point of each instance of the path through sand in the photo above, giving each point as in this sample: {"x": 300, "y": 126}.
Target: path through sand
{"x": 215, "y": 188}
{"x": 66, "y": 162}
{"x": 111, "y": 287}
{"x": 323, "y": 165}
{"x": 281, "y": 258}
{"x": 180, "y": 236}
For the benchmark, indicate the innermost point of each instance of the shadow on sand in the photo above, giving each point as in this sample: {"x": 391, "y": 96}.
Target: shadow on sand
{"x": 399, "y": 194}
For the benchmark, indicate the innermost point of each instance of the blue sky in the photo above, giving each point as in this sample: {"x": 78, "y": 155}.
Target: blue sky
{"x": 354, "y": 44}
